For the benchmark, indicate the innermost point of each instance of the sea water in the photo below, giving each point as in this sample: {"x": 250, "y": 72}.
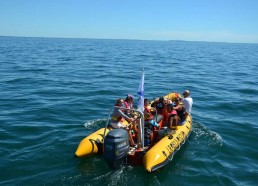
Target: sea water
{"x": 54, "y": 92}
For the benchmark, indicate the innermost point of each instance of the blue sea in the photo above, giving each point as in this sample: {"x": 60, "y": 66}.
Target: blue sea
{"x": 54, "y": 92}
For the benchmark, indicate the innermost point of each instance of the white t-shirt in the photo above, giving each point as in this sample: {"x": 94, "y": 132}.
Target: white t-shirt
{"x": 188, "y": 103}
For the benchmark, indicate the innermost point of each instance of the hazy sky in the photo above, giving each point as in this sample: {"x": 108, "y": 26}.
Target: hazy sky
{"x": 201, "y": 20}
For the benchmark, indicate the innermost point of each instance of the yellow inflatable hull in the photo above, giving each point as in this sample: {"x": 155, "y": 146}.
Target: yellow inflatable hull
{"x": 90, "y": 144}
{"x": 155, "y": 156}
{"x": 163, "y": 151}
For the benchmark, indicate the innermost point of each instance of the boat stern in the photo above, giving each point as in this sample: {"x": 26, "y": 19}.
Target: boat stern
{"x": 91, "y": 144}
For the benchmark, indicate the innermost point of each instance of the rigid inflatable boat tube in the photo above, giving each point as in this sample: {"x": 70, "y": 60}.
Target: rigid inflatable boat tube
{"x": 89, "y": 145}
{"x": 160, "y": 154}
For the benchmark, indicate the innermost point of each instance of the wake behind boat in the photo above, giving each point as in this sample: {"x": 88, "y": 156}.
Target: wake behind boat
{"x": 155, "y": 145}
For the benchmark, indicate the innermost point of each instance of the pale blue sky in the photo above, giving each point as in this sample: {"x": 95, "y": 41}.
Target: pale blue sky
{"x": 193, "y": 20}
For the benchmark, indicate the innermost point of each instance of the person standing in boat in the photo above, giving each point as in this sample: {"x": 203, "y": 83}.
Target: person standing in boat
{"x": 180, "y": 109}
{"x": 188, "y": 101}
{"x": 119, "y": 117}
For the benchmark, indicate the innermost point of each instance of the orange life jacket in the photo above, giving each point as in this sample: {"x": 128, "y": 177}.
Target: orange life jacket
{"x": 167, "y": 115}
{"x": 149, "y": 112}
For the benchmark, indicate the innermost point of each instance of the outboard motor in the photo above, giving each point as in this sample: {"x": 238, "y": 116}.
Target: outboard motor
{"x": 116, "y": 147}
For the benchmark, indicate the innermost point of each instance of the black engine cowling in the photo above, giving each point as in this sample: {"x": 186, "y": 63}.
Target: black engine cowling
{"x": 116, "y": 147}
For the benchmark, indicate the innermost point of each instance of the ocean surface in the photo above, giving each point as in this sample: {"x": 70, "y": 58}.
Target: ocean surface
{"x": 54, "y": 92}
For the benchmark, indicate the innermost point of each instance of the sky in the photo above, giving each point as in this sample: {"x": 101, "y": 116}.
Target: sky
{"x": 233, "y": 21}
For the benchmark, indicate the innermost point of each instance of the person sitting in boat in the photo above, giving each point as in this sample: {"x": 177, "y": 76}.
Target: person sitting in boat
{"x": 148, "y": 117}
{"x": 119, "y": 117}
{"x": 128, "y": 103}
{"x": 188, "y": 102}
{"x": 181, "y": 111}
{"x": 170, "y": 118}
{"x": 159, "y": 104}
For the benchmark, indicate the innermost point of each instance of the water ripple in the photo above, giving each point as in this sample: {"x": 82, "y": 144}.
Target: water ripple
{"x": 54, "y": 92}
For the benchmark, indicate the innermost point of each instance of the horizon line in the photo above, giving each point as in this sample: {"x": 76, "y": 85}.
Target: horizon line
{"x": 174, "y": 40}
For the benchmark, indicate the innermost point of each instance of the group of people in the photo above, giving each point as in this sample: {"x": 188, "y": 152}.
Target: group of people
{"x": 173, "y": 113}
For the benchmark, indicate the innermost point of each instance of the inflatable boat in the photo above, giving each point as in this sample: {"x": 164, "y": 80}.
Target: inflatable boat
{"x": 156, "y": 145}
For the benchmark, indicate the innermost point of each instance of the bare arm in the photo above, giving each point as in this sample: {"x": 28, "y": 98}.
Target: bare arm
{"x": 121, "y": 113}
